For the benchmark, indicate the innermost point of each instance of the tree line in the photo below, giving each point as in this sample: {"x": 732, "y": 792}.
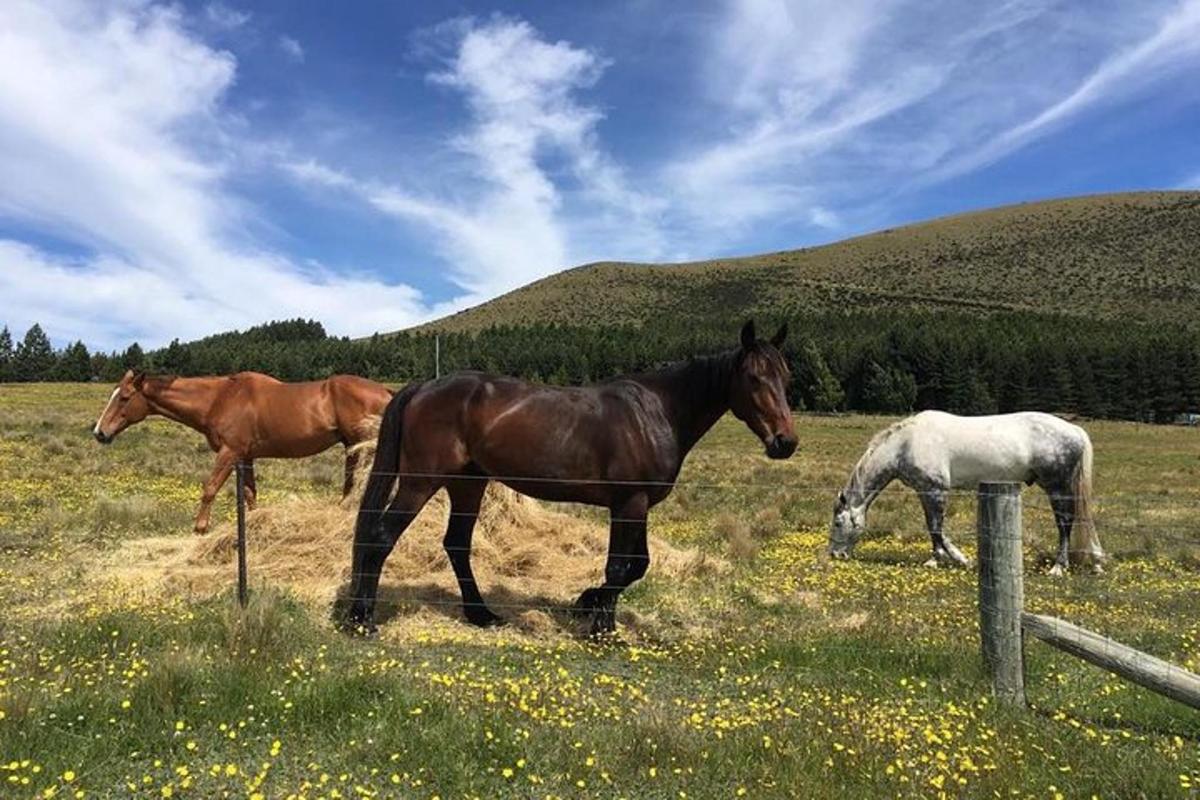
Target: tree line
{"x": 892, "y": 362}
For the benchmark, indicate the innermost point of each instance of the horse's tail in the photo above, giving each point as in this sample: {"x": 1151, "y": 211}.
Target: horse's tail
{"x": 386, "y": 466}
{"x": 1086, "y": 543}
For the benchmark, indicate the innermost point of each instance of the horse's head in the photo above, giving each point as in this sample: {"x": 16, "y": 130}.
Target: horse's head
{"x": 847, "y": 526}
{"x": 126, "y": 406}
{"x": 758, "y": 394}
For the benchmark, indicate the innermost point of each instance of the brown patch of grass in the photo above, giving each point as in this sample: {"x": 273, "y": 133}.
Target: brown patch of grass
{"x": 736, "y": 534}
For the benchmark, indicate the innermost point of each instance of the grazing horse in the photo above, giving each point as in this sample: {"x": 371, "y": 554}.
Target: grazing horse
{"x": 934, "y": 452}
{"x": 618, "y": 445}
{"x": 248, "y": 416}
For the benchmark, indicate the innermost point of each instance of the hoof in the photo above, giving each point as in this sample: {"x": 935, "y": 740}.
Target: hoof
{"x": 932, "y": 563}
{"x": 588, "y": 603}
{"x": 359, "y": 623}
{"x": 361, "y": 630}
{"x": 603, "y": 630}
{"x": 200, "y": 530}
{"x": 1058, "y": 571}
{"x": 482, "y": 617}
{"x": 1097, "y": 569}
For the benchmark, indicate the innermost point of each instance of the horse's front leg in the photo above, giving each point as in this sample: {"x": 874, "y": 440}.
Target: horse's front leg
{"x": 628, "y": 560}
{"x": 933, "y": 501}
{"x": 226, "y": 460}
{"x": 465, "y": 497}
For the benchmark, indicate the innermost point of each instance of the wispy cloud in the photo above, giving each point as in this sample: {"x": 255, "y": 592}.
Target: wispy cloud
{"x": 112, "y": 138}
{"x": 223, "y": 16}
{"x": 835, "y": 105}
{"x": 291, "y": 48}
{"x": 517, "y": 221}
{"x": 1167, "y": 50}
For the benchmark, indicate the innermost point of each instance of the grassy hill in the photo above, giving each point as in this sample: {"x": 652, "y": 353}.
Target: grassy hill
{"x": 1130, "y": 256}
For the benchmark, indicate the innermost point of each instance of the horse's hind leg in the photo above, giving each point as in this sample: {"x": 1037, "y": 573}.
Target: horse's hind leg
{"x": 1063, "y": 504}
{"x": 373, "y": 544}
{"x": 351, "y": 467}
{"x": 251, "y": 486}
{"x": 933, "y": 502}
{"x": 465, "y": 496}
{"x": 628, "y": 560}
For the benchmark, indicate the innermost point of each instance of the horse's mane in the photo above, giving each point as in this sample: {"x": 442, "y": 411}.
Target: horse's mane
{"x": 878, "y": 439}
{"x": 159, "y": 381}
{"x": 697, "y": 374}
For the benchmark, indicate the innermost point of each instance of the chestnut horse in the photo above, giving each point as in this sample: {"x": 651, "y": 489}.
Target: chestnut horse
{"x": 247, "y": 416}
{"x": 618, "y": 444}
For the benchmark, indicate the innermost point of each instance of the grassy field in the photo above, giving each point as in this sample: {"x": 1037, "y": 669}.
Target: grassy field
{"x": 775, "y": 675}
{"x": 1127, "y": 257}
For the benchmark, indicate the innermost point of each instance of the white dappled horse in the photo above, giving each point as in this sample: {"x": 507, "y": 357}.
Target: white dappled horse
{"x": 933, "y": 452}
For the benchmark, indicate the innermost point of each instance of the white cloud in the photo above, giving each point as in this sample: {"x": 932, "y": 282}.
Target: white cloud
{"x": 291, "y": 48}
{"x": 515, "y": 221}
{"x": 222, "y": 16}
{"x": 111, "y": 138}
{"x": 116, "y": 138}
{"x": 839, "y": 105}
{"x": 1173, "y": 44}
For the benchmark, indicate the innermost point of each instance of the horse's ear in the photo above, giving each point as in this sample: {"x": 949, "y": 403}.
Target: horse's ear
{"x": 780, "y": 335}
{"x": 748, "y": 335}
{"x": 841, "y": 501}
{"x": 139, "y": 378}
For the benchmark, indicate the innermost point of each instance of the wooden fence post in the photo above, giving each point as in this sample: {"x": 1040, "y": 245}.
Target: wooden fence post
{"x": 1001, "y": 589}
{"x": 241, "y": 533}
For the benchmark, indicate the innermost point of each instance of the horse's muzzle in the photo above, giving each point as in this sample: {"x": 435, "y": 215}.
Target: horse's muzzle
{"x": 780, "y": 446}
{"x": 101, "y": 438}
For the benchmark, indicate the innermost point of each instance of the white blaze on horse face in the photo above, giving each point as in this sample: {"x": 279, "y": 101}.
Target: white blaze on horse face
{"x": 112, "y": 399}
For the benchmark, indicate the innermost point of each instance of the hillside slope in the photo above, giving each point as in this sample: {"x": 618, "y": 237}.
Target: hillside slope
{"x": 1133, "y": 256}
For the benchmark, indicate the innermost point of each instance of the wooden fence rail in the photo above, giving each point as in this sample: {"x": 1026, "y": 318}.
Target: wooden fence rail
{"x": 1003, "y": 620}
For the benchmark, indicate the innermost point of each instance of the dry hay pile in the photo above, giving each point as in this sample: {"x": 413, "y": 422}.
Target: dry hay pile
{"x": 531, "y": 561}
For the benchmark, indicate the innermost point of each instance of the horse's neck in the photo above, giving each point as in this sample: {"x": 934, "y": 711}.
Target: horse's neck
{"x": 696, "y": 395}
{"x": 872, "y": 474}
{"x": 184, "y": 400}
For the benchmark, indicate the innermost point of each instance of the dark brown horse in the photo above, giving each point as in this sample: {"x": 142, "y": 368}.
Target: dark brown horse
{"x": 248, "y": 416}
{"x": 619, "y": 445}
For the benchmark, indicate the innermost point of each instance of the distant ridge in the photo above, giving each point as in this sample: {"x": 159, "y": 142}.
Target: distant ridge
{"x": 1129, "y": 256}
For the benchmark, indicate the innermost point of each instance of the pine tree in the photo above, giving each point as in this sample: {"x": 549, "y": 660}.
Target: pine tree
{"x": 887, "y": 390}
{"x": 176, "y": 359}
{"x": 133, "y": 357}
{"x": 6, "y": 355}
{"x": 74, "y": 364}
{"x": 824, "y": 389}
{"x": 34, "y": 357}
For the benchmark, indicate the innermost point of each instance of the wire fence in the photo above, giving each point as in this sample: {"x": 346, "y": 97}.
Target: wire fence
{"x": 1170, "y": 533}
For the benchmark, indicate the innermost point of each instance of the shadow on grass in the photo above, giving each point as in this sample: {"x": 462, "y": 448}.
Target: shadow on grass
{"x": 525, "y": 610}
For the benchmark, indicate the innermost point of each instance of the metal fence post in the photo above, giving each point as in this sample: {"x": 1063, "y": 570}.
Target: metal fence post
{"x": 1001, "y": 589}
{"x": 241, "y": 533}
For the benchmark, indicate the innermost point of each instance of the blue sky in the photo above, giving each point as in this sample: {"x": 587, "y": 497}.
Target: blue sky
{"x": 180, "y": 169}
